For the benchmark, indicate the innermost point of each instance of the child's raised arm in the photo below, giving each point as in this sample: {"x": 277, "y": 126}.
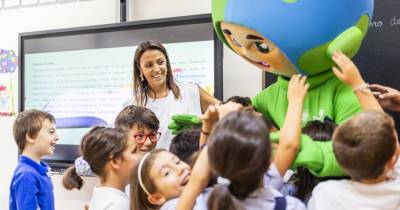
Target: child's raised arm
{"x": 289, "y": 140}
{"x": 201, "y": 171}
{"x": 199, "y": 179}
{"x": 212, "y": 115}
{"x": 348, "y": 73}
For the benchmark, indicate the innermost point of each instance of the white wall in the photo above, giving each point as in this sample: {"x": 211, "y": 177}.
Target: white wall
{"x": 152, "y": 9}
{"x": 240, "y": 78}
{"x": 37, "y": 18}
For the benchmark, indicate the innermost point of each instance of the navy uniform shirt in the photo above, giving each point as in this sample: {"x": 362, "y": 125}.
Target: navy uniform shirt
{"x": 31, "y": 188}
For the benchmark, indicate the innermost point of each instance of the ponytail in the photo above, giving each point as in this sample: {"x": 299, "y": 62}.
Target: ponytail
{"x": 238, "y": 139}
{"x": 220, "y": 199}
{"x": 243, "y": 188}
{"x": 72, "y": 176}
{"x": 71, "y": 179}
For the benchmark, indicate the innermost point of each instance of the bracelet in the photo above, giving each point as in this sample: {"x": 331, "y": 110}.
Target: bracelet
{"x": 205, "y": 133}
{"x": 361, "y": 87}
{"x": 202, "y": 146}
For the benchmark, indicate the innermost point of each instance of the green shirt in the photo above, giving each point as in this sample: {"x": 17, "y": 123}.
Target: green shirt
{"x": 327, "y": 96}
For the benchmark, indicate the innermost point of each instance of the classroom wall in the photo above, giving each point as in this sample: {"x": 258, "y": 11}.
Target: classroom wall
{"x": 75, "y": 13}
{"x": 61, "y": 14}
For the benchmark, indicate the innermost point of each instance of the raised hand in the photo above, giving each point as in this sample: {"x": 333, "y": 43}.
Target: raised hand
{"x": 225, "y": 109}
{"x": 388, "y": 98}
{"x": 289, "y": 140}
{"x": 298, "y": 88}
{"x": 346, "y": 71}
{"x": 216, "y": 112}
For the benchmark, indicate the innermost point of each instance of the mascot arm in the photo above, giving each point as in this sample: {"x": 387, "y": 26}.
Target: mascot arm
{"x": 316, "y": 156}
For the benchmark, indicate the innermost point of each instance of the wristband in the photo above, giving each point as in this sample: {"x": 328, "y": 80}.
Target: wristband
{"x": 361, "y": 87}
{"x": 205, "y": 133}
{"x": 202, "y": 146}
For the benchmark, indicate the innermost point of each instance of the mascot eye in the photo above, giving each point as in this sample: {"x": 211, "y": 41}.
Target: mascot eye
{"x": 262, "y": 47}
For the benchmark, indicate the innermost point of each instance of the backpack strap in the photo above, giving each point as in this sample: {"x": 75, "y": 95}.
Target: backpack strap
{"x": 280, "y": 203}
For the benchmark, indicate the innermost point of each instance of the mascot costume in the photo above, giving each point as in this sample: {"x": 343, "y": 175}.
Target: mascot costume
{"x": 286, "y": 37}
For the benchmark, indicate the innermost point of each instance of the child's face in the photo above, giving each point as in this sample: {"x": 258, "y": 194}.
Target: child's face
{"x": 257, "y": 49}
{"x": 170, "y": 175}
{"x": 130, "y": 158}
{"x": 146, "y": 139}
{"x": 46, "y": 139}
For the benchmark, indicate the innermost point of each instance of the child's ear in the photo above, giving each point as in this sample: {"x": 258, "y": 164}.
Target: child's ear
{"x": 396, "y": 155}
{"x": 29, "y": 138}
{"x": 116, "y": 163}
{"x": 156, "y": 199}
{"x": 392, "y": 161}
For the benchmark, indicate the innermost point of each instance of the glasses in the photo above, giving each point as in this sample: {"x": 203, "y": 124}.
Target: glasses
{"x": 140, "y": 138}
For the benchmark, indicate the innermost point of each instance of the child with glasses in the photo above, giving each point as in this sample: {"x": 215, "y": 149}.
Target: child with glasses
{"x": 141, "y": 124}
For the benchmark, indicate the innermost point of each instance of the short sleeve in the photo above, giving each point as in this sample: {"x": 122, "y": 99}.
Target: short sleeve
{"x": 259, "y": 104}
{"x": 191, "y": 98}
{"x": 170, "y": 205}
{"x": 273, "y": 179}
{"x": 118, "y": 206}
{"x": 345, "y": 104}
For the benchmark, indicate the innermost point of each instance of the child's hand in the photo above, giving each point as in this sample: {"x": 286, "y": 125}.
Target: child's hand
{"x": 297, "y": 89}
{"x": 218, "y": 111}
{"x": 210, "y": 116}
{"x": 347, "y": 72}
{"x": 388, "y": 98}
{"x": 225, "y": 109}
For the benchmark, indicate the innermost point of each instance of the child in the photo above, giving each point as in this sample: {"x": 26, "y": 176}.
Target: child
{"x": 238, "y": 149}
{"x": 142, "y": 125}
{"x": 185, "y": 144}
{"x": 367, "y": 149}
{"x": 31, "y": 187}
{"x": 110, "y": 154}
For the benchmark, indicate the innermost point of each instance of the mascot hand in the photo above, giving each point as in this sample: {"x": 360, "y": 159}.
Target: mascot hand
{"x": 181, "y": 122}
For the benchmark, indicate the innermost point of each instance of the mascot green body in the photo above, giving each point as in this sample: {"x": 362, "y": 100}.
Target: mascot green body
{"x": 286, "y": 37}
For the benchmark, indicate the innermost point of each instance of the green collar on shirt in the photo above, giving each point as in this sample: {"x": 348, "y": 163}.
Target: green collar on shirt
{"x": 314, "y": 81}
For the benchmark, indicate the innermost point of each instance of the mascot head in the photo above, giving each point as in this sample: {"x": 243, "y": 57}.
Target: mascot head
{"x": 286, "y": 37}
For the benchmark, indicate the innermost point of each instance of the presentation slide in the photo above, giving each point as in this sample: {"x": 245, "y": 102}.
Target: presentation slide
{"x": 86, "y": 88}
